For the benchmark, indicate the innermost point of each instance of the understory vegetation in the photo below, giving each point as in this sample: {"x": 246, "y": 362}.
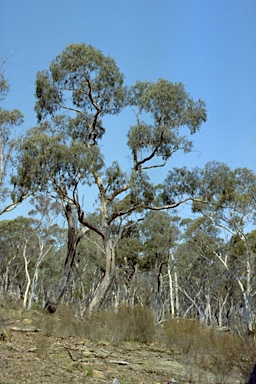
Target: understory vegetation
{"x": 208, "y": 355}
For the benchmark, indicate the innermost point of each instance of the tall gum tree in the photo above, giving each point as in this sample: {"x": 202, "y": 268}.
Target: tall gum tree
{"x": 81, "y": 87}
{"x": 10, "y": 120}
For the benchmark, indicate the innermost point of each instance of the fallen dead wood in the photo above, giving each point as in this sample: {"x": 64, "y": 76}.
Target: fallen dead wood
{"x": 31, "y": 329}
{"x": 119, "y": 362}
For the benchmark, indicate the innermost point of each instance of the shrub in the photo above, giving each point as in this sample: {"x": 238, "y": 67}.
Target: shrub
{"x": 223, "y": 355}
{"x": 184, "y": 335}
{"x": 127, "y": 324}
{"x": 135, "y": 324}
{"x": 63, "y": 323}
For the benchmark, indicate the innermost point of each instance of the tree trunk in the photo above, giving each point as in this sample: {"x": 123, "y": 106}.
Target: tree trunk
{"x": 107, "y": 280}
{"x": 7, "y": 277}
{"x": 173, "y": 286}
{"x": 74, "y": 237}
{"x": 33, "y": 287}
{"x": 27, "y": 276}
{"x": 171, "y": 297}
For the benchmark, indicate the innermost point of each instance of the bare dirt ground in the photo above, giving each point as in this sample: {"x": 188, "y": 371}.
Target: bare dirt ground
{"x": 29, "y": 355}
{"x": 33, "y": 357}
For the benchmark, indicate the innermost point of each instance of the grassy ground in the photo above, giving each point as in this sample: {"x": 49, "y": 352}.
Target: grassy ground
{"x": 39, "y": 348}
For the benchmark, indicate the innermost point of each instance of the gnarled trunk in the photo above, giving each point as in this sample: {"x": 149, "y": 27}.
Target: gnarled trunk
{"x": 74, "y": 237}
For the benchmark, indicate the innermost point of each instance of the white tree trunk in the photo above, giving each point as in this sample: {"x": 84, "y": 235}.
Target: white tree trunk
{"x": 27, "y": 276}
{"x": 171, "y": 296}
{"x": 173, "y": 286}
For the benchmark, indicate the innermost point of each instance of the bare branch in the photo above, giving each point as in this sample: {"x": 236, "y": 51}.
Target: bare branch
{"x": 5, "y": 60}
{"x": 95, "y": 243}
{"x": 155, "y": 166}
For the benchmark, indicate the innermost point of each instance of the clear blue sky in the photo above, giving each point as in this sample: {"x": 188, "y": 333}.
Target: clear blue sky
{"x": 209, "y": 45}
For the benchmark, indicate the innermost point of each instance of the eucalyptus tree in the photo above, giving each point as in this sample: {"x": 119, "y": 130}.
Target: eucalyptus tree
{"x": 88, "y": 269}
{"x": 25, "y": 242}
{"x": 48, "y": 237}
{"x": 240, "y": 260}
{"x": 159, "y": 234}
{"x": 204, "y": 283}
{"x": 16, "y": 240}
{"x": 127, "y": 280}
{"x": 80, "y": 89}
{"x": 226, "y": 197}
{"x": 9, "y": 123}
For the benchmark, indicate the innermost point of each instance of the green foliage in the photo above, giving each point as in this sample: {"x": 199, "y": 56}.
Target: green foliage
{"x": 171, "y": 108}
{"x": 129, "y": 248}
{"x": 4, "y": 87}
{"x": 159, "y": 233}
{"x": 13, "y": 237}
{"x": 142, "y": 191}
{"x": 169, "y": 104}
{"x": 56, "y": 162}
{"x": 89, "y": 372}
{"x": 84, "y": 74}
{"x": 115, "y": 178}
{"x": 9, "y": 123}
{"x": 86, "y": 85}
{"x": 8, "y": 119}
{"x": 216, "y": 185}
{"x": 38, "y": 241}
{"x": 241, "y": 252}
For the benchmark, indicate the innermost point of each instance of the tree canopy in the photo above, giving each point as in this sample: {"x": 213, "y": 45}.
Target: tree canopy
{"x": 9, "y": 123}
{"x": 79, "y": 89}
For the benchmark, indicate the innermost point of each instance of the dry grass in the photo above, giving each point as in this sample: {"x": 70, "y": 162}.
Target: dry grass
{"x": 127, "y": 324}
{"x": 223, "y": 355}
{"x": 63, "y": 323}
{"x": 199, "y": 348}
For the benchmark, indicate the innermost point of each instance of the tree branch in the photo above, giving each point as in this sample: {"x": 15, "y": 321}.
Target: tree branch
{"x": 10, "y": 207}
{"x": 139, "y": 163}
{"x": 93, "y": 125}
{"x": 5, "y": 60}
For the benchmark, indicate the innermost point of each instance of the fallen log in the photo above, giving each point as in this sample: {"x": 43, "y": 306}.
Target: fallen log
{"x": 119, "y": 362}
{"x": 30, "y": 329}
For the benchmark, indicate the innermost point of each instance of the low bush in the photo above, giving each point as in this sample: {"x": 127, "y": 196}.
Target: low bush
{"x": 135, "y": 324}
{"x": 63, "y": 323}
{"x": 223, "y": 355}
{"x": 127, "y": 324}
{"x": 184, "y": 335}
